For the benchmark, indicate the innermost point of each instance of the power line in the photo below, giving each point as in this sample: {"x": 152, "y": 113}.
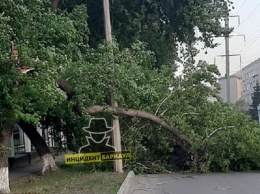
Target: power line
{"x": 249, "y": 49}
{"x": 250, "y": 39}
{"x": 252, "y": 42}
{"x": 227, "y": 55}
{"x": 255, "y": 32}
{"x": 250, "y": 14}
{"x": 241, "y": 6}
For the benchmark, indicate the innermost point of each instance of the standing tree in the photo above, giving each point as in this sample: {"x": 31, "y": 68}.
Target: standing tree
{"x": 8, "y": 88}
{"x": 60, "y": 42}
{"x": 255, "y": 102}
{"x": 242, "y": 106}
{"x": 164, "y": 25}
{"x": 46, "y": 43}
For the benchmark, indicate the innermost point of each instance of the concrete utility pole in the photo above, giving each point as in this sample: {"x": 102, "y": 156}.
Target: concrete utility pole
{"x": 107, "y": 23}
{"x": 228, "y": 55}
{"x": 227, "y": 59}
{"x": 118, "y": 165}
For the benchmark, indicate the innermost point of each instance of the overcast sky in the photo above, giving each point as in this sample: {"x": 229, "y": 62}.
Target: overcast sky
{"x": 249, "y": 13}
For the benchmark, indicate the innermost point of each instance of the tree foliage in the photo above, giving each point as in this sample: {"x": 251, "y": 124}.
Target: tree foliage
{"x": 147, "y": 32}
{"x": 242, "y": 106}
{"x": 255, "y": 102}
{"x": 46, "y": 43}
{"x": 162, "y": 24}
{"x": 216, "y": 130}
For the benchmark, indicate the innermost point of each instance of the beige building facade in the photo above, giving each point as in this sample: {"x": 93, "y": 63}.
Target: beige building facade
{"x": 235, "y": 87}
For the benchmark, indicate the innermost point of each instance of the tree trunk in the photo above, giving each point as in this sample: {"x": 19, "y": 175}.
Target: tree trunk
{"x": 67, "y": 88}
{"x": 49, "y": 165}
{"x": 195, "y": 162}
{"x": 4, "y": 172}
{"x": 54, "y": 5}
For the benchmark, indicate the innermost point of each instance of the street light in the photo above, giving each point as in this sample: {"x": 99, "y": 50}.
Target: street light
{"x": 258, "y": 109}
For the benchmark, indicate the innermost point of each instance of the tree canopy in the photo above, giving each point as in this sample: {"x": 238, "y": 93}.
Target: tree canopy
{"x": 255, "y": 102}
{"x": 164, "y": 25}
{"x": 68, "y": 45}
{"x": 44, "y": 41}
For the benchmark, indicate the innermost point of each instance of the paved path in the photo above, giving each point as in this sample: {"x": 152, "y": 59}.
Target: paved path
{"x": 213, "y": 183}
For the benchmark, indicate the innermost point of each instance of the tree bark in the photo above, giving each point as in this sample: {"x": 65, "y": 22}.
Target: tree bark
{"x": 65, "y": 86}
{"x": 195, "y": 162}
{"x": 4, "y": 171}
{"x": 49, "y": 165}
{"x": 140, "y": 114}
{"x": 54, "y": 5}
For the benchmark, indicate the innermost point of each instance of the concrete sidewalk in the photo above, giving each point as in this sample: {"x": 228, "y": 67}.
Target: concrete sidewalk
{"x": 210, "y": 183}
{"x": 31, "y": 169}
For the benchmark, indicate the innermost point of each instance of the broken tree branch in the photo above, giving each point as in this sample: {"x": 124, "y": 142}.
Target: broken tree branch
{"x": 215, "y": 131}
{"x": 163, "y": 101}
{"x": 140, "y": 114}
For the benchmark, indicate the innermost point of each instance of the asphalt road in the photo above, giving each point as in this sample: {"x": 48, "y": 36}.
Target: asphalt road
{"x": 213, "y": 183}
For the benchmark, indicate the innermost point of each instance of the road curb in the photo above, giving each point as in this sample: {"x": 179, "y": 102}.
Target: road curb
{"x": 128, "y": 182}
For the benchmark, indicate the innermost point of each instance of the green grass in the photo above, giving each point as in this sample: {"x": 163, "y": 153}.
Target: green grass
{"x": 72, "y": 179}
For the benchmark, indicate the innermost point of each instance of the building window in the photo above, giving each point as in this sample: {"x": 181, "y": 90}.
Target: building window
{"x": 18, "y": 138}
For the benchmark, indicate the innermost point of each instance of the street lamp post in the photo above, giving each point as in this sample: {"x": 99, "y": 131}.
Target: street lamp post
{"x": 258, "y": 109}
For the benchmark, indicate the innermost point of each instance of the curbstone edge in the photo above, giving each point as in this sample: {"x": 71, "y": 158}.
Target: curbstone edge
{"x": 127, "y": 184}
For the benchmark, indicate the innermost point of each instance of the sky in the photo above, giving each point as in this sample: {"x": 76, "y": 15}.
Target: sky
{"x": 248, "y": 47}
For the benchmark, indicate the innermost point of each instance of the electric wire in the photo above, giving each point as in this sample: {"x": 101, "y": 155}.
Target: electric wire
{"x": 251, "y": 14}
{"x": 250, "y": 40}
{"x": 241, "y": 6}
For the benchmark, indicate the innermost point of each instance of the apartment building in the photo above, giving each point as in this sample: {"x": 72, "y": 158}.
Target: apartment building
{"x": 250, "y": 75}
{"x": 235, "y": 87}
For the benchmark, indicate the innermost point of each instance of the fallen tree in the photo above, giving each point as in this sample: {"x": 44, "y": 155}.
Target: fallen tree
{"x": 139, "y": 114}
{"x": 181, "y": 139}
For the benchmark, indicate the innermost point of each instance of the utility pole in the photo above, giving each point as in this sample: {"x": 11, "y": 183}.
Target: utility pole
{"x": 118, "y": 165}
{"x": 228, "y": 55}
{"x": 227, "y": 59}
{"x": 107, "y": 23}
